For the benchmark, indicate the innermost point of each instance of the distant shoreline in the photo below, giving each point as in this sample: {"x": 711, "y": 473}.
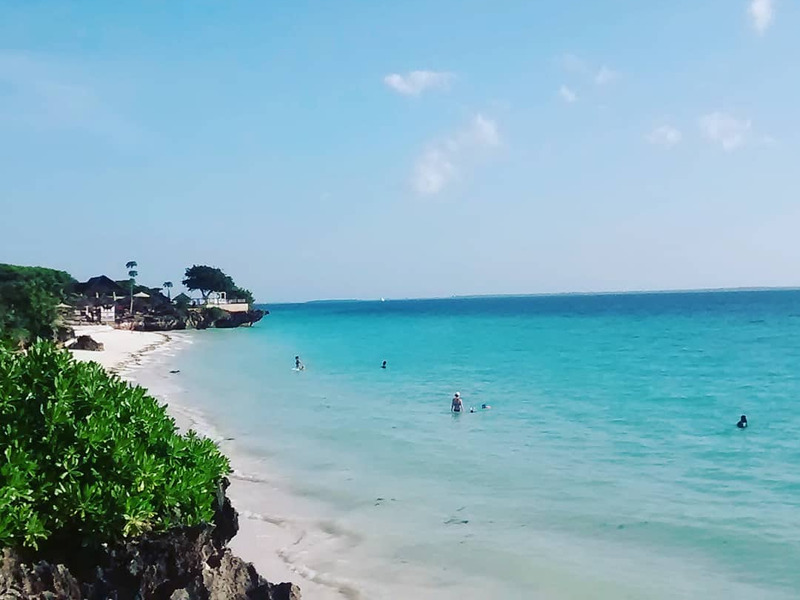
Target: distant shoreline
{"x": 723, "y": 290}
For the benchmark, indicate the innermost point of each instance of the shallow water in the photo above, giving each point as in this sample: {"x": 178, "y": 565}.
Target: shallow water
{"x": 608, "y": 467}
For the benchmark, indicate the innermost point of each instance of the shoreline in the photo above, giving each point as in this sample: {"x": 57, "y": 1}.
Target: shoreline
{"x": 123, "y": 348}
{"x": 265, "y": 540}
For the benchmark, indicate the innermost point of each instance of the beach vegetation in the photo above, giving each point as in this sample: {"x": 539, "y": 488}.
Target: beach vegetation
{"x": 88, "y": 459}
{"x": 205, "y": 280}
{"x": 29, "y": 297}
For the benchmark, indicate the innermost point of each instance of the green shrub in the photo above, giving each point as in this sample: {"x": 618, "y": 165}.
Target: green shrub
{"x": 86, "y": 458}
{"x": 28, "y": 299}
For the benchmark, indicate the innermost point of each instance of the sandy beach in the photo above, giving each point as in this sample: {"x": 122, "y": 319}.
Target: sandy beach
{"x": 265, "y": 541}
{"x": 122, "y": 348}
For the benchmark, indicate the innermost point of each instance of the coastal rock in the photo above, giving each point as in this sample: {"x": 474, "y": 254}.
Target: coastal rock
{"x": 204, "y": 318}
{"x": 64, "y": 333}
{"x": 160, "y": 323}
{"x": 85, "y": 342}
{"x": 185, "y": 563}
{"x": 238, "y": 319}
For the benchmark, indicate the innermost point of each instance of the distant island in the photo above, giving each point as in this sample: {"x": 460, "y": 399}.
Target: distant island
{"x": 37, "y": 302}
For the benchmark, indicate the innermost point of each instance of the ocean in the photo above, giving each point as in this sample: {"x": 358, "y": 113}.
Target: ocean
{"x": 609, "y": 465}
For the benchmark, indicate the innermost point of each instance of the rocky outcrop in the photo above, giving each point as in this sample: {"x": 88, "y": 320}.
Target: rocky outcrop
{"x": 205, "y": 318}
{"x": 230, "y": 320}
{"x": 160, "y": 323}
{"x": 187, "y": 563}
{"x": 85, "y": 342}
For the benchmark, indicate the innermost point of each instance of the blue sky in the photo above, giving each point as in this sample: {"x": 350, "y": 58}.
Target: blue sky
{"x": 405, "y": 149}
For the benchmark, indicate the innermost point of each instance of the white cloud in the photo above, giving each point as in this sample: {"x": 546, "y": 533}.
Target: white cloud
{"x": 484, "y": 131}
{"x": 725, "y": 129}
{"x": 605, "y": 76}
{"x": 762, "y": 13}
{"x": 433, "y": 171}
{"x": 567, "y": 95}
{"x": 416, "y": 82}
{"x": 665, "y": 135}
{"x": 443, "y": 160}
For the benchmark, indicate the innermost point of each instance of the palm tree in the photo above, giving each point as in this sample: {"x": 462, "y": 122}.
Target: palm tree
{"x": 132, "y": 273}
{"x": 167, "y": 285}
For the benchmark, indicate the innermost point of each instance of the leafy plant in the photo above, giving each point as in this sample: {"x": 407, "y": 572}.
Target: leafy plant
{"x": 87, "y": 459}
{"x": 28, "y": 299}
{"x": 207, "y": 279}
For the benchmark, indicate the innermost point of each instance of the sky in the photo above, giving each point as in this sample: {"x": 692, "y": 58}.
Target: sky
{"x": 357, "y": 149}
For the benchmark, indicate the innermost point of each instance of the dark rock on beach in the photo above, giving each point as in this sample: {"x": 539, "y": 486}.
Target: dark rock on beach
{"x": 64, "y": 333}
{"x": 85, "y": 342}
{"x": 185, "y": 563}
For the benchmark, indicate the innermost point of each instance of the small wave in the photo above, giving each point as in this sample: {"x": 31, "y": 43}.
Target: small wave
{"x": 254, "y": 516}
{"x": 343, "y": 587}
{"x": 247, "y": 477}
{"x": 337, "y": 531}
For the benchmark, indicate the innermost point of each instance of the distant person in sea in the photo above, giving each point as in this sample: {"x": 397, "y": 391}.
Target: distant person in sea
{"x": 297, "y": 364}
{"x": 383, "y": 366}
{"x": 742, "y": 422}
{"x": 486, "y": 406}
{"x": 456, "y": 405}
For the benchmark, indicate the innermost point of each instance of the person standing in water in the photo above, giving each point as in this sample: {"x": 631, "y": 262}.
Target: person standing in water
{"x": 297, "y": 364}
{"x": 383, "y": 366}
{"x": 456, "y": 405}
{"x": 742, "y": 422}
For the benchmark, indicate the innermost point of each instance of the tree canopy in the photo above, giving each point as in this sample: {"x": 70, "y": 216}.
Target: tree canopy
{"x": 205, "y": 280}
{"x": 28, "y": 301}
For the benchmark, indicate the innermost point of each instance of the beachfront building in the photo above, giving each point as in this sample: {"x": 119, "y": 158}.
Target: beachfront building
{"x": 101, "y": 295}
{"x": 101, "y": 287}
{"x": 96, "y": 310}
{"x": 182, "y": 299}
{"x": 221, "y": 300}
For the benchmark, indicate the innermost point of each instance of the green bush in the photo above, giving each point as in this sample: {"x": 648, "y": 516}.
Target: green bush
{"x": 86, "y": 458}
{"x": 28, "y": 299}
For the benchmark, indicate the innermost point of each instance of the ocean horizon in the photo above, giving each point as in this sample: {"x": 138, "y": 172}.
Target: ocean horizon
{"x": 608, "y": 466}
{"x": 642, "y": 292}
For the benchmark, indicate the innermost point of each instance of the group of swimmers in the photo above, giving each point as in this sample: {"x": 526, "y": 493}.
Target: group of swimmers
{"x": 457, "y": 404}
{"x": 299, "y": 366}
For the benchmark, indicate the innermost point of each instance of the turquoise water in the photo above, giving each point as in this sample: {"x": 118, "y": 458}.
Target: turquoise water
{"x": 608, "y": 467}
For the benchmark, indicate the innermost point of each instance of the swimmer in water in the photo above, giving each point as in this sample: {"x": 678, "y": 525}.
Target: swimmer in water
{"x": 383, "y": 366}
{"x": 456, "y": 405}
{"x": 485, "y": 406}
{"x": 297, "y": 364}
{"x": 742, "y": 422}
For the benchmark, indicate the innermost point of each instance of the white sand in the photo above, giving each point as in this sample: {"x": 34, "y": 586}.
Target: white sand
{"x": 121, "y": 347}
{"x": 259, "y": 540}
